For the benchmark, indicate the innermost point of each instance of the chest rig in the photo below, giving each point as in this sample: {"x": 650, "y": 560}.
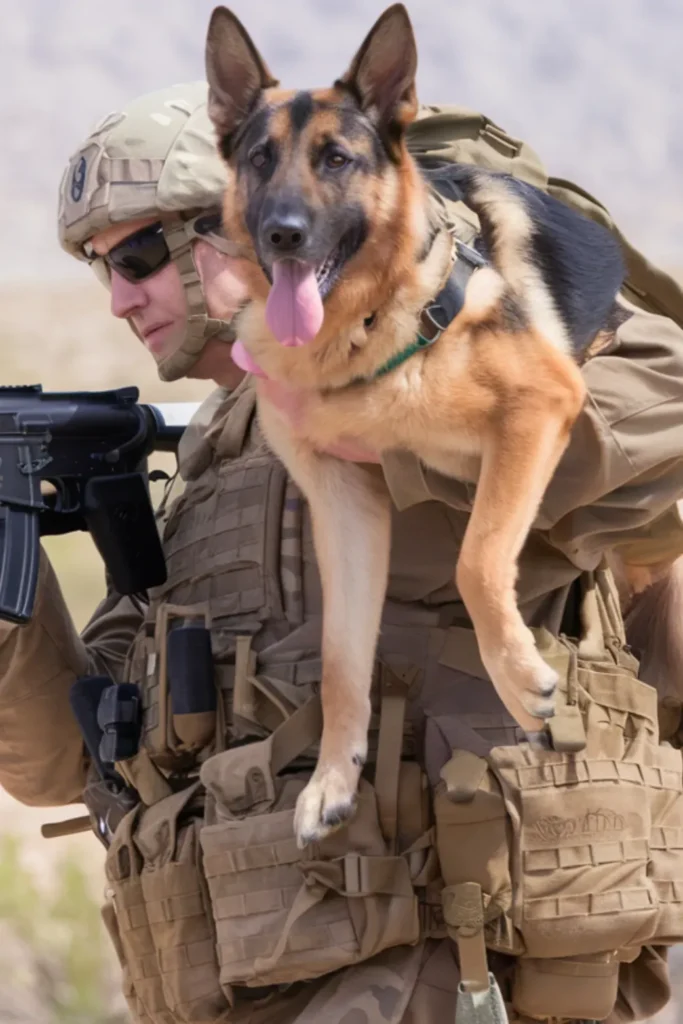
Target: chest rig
{"x": 230, "y": 645}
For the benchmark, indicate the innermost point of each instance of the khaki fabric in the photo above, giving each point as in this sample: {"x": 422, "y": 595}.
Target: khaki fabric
{"x": 42, "y": 761}
{"x": 41, "y": 753}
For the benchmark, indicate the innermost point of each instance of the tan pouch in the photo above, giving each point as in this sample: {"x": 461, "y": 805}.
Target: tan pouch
{"x": 178, "y": 908}
{"x": 665, "y": 777}
{"x": 558, "y": 844}
{"x": 142, "y": 979}
{"x": 581, "y": 823}
{"x": 473, "y": 841}
{"x": 582, "y": 988}
{"x": 644, "y": 986}
{"x": 134, "y": 1005}
{"x": 283, "y": 915}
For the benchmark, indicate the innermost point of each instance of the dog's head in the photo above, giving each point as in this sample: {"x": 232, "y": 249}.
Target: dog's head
{"x": 320, "y": 177}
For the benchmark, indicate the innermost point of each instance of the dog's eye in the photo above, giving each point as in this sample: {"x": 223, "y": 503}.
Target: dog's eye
{"x": 334, "y": 159}
{"x": 259, "y": 157}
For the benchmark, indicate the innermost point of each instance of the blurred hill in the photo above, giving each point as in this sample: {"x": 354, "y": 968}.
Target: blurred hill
{"x": 594, "y": 85}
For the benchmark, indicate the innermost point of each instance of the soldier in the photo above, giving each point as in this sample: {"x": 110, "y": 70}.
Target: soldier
{"x": 476, "y": 872}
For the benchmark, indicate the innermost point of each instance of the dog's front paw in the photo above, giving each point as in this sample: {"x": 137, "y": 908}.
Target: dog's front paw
{"x": 327, "y": 802}
{"x": 526, "y": 685}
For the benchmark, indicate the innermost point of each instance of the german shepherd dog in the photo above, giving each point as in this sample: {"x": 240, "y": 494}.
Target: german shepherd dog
{"x": 354, "y": 298}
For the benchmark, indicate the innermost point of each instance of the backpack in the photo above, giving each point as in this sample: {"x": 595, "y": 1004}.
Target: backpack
{"x": 457, "y": 134}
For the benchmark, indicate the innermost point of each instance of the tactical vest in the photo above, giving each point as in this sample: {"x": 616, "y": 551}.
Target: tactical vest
{"x": 567, "y": 864}
{"x": 569, "y": 861}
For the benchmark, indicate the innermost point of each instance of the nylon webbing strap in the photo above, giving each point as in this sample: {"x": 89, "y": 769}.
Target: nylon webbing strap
{"x": 472, "y": 962}
{"x": 180, "y": 235}
{"x": 301, "y": 731}
{"x": 463, "y": 911}
{"x": 255, "y": 701}
{"x": 243, "y": 698}
{"x": 389, "y": 746}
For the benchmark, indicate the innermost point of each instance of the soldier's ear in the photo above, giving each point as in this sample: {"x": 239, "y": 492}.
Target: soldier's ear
{"x": 382, "y": 74}
{"x": 235, "y": 71}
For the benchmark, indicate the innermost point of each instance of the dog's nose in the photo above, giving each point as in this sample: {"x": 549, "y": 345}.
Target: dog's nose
{"x": 286, "y": 233}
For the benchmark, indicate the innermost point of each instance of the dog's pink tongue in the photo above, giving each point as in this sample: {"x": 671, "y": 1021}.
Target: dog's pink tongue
{"x": 294, "y": 310}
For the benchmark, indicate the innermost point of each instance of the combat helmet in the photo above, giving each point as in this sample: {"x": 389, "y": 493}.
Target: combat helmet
{"x": 156, "y": 157}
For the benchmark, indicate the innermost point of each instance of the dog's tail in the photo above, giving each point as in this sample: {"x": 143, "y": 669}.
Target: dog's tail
{"x": 654, "y": 630}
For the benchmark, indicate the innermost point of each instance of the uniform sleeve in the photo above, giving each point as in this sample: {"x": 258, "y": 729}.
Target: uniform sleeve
{"x": 622, "y": 475}
{"x": 42, "y": 757}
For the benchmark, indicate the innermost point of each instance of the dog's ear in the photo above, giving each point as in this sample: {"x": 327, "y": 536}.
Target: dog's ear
{"x": 382, "y": 74}
{"x": 235, "y": 71}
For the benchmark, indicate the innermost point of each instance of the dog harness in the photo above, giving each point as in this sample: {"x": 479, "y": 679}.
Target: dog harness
{"x": 440, "y": 313}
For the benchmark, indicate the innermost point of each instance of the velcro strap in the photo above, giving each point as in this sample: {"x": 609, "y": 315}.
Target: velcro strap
{"x": 463, "y": 911}
{"x": 156, "y": 832}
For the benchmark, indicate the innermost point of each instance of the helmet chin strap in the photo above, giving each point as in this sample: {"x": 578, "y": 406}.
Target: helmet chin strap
{"x": 180, "y": 234}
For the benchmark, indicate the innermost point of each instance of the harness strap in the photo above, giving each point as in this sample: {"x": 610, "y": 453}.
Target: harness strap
{"x": 439, "y": 314}
{"x": 299, "y": 732}
{"x": 180, "y": 234}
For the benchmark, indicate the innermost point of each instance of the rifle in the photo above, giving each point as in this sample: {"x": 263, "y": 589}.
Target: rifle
{"x": 91, "y": 446}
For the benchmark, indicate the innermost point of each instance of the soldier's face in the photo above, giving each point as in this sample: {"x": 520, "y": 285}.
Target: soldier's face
{"x": 156, "y": 305}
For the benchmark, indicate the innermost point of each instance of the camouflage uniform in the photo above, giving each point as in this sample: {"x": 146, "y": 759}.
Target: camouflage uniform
{"x": 240, "y": 557}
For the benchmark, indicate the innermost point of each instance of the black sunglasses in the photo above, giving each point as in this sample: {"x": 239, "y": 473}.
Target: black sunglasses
{"x": 139, "y": 255}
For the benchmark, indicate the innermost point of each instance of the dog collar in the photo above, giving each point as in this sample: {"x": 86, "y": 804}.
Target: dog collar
{"x": 440, "y": 313}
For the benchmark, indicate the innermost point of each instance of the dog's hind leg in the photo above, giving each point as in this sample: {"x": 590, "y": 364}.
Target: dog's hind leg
{"x": 520, "y": 455}
{"x": 350, "y": 512}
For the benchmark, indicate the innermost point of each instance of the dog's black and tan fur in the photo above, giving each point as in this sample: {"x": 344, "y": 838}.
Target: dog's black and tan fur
{"x": 325, "y": 177}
